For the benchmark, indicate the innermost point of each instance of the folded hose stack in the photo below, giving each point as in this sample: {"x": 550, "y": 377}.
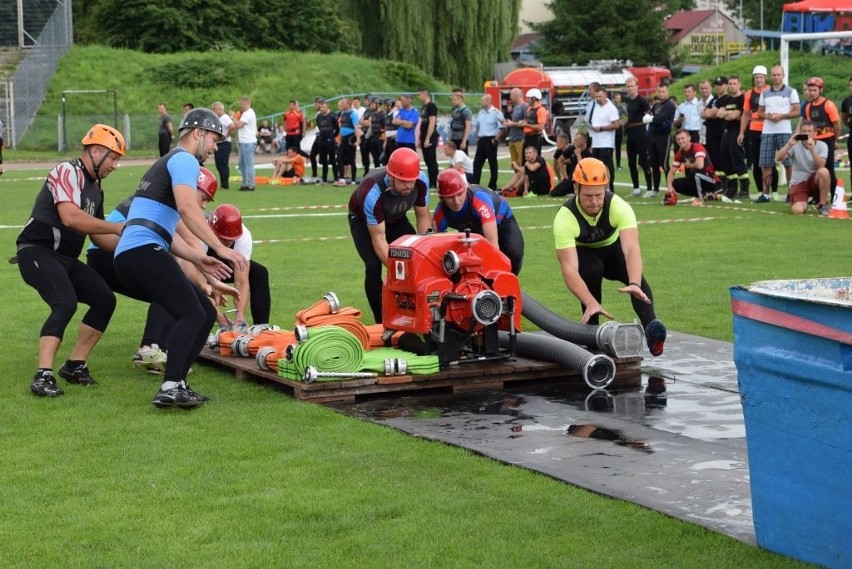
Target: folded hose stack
{"x": 328, "y": 343}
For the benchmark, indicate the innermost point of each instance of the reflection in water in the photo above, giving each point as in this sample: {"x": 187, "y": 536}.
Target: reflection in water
{"x": 692, "y": 409}
{"x": 655, "y": 390}
{"x": 601, "y": 433}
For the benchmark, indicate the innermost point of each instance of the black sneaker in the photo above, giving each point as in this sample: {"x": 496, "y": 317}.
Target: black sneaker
{"x": 655, "y": 336}
{"x": 44, "y": 385}
{"x": 76, "y": 375}
{"x": 182, "y": 397}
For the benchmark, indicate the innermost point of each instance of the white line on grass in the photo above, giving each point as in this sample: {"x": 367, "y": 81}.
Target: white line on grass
{"x": 524, "y": 228}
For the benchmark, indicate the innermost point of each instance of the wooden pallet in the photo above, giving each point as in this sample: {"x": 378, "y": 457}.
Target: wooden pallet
{"x": 456, "y": 379}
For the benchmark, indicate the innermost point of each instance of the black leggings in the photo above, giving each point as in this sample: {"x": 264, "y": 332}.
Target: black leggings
{"x": 486, "y": 150}
{"x": 608, "y": 263}
{"x": 695, "y": 184}
{"x": 390, "y": 146}
{"x": 511, "y": 243}
{"x": 328, "y": 155}
{"x": 658, "y": 157}
{"x": 637, "y": 152}
{"x": 164, "y": 142}
{"x": 430, "y": 157}
{"x": 222, "y": 156}
{"x": 154, "y": 275}
{"x": 62, "y": 281}
{"x": 372, "y": 265}
{"x": 346, "y": 157}
{"x": 158, "y": 323}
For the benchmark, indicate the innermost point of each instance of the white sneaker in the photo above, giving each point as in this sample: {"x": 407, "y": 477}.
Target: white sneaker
{"x": 650, "y": 194}
{"x": 152, "y": 358}
{"x": 636, "y": 192}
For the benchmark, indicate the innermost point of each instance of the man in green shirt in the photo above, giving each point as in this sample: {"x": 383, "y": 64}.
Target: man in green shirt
{"x": 597, "y": 238}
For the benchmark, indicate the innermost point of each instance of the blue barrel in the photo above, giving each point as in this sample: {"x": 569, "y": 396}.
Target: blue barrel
{"x": 793, "y": 352}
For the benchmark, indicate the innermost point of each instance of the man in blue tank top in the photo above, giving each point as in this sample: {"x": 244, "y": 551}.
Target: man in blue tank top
{"x": 166, "y": 196}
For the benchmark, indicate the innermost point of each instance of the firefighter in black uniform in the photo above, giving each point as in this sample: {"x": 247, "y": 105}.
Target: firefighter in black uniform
{"x": 377, "y": 216}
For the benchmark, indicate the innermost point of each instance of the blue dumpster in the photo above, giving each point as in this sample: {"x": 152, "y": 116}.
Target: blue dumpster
{"x": 793, "y": 352}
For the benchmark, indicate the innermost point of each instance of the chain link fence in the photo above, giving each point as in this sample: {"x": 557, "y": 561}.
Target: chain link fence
{"x": 24, "y": 90}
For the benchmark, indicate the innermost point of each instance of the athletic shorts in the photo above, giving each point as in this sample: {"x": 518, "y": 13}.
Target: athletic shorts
{"x": 802, "y": 191}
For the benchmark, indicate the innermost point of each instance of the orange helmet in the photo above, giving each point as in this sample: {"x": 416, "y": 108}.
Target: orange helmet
{"x": 207, "y": 183}
{"x": 404, "y": 164}
{"x": 451, "y": 183}
{"x": 226, "y": 222}
{"x": 106, "y": 136}
{"x": 591, "y": 172}
{"x": 670, "y": 198}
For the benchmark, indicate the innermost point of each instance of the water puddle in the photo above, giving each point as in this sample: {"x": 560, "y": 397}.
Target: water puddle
{"x": 663, "y": 404}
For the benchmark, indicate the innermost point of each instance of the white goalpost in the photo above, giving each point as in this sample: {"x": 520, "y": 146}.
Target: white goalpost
{"x": 787, "y": 38}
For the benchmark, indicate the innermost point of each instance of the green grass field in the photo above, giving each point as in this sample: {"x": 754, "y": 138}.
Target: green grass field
{"x": 99, "y": 478}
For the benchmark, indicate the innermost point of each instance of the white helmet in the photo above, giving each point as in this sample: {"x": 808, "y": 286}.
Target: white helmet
{"x": 759, "y": 70}
{"x": 534, "y": 94}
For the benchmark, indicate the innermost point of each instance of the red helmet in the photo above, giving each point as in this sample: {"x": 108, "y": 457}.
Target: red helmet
{"x": 226, "y": 222}
{"x": 207, "y": 183}
{"x": 670, "y": 198}
{"x": 404, "y": 164}
{"x": 817, "y": 82}
{"x": 451, "y": 183}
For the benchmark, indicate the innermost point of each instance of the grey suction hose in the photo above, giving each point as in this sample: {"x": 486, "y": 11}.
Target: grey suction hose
{"x": 549, "y": 321}
{"x": 617, "y": 340}
{"x": 598, "y": 370}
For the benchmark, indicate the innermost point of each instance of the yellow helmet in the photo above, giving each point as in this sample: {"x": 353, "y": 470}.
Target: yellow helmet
{"x": 105, "y": 136}
{"x": 591, "y": 172}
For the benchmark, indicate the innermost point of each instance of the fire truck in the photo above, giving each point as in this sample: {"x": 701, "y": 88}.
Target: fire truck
{"x": 565, "y": 89}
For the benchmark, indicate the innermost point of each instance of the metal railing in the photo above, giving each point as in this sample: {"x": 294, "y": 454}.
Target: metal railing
{"x": 25, "y": 90}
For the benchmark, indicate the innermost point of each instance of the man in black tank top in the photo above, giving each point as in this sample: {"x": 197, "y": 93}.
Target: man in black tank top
{"x": 597, "y": 238}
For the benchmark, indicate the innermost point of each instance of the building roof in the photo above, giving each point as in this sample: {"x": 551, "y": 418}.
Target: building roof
{"x": 682, "y": 23}
{"x": 524, "y": 40}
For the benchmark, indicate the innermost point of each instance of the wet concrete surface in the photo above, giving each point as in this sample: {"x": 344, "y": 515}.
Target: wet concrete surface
{"x": 676, "y": 445}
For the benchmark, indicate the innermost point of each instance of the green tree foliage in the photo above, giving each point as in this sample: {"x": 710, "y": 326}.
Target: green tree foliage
{"x": 300, "y": 25}
{"x": 457, "y": 41}
{"x": 604, "y": 29}
{"x": 166, "y": 26}
{"x": 772, "y": 12}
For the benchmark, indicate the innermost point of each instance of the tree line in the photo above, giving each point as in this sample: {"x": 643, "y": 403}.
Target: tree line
{"x": 456, "y": 41}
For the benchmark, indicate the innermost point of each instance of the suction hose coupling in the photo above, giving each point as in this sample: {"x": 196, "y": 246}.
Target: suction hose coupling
{"x": 599, "y": 371}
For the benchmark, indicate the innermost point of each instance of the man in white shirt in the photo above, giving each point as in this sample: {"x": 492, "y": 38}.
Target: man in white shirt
{"x": 459, "y": 160}
{"x": 688, "y": 114}
{"x": 777, "y": 105}
{"x": 246, "y": 126}
{"x": 603, "y": 122}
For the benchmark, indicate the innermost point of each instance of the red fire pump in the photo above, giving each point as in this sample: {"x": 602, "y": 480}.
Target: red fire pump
{"x": 456, "y": 291}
